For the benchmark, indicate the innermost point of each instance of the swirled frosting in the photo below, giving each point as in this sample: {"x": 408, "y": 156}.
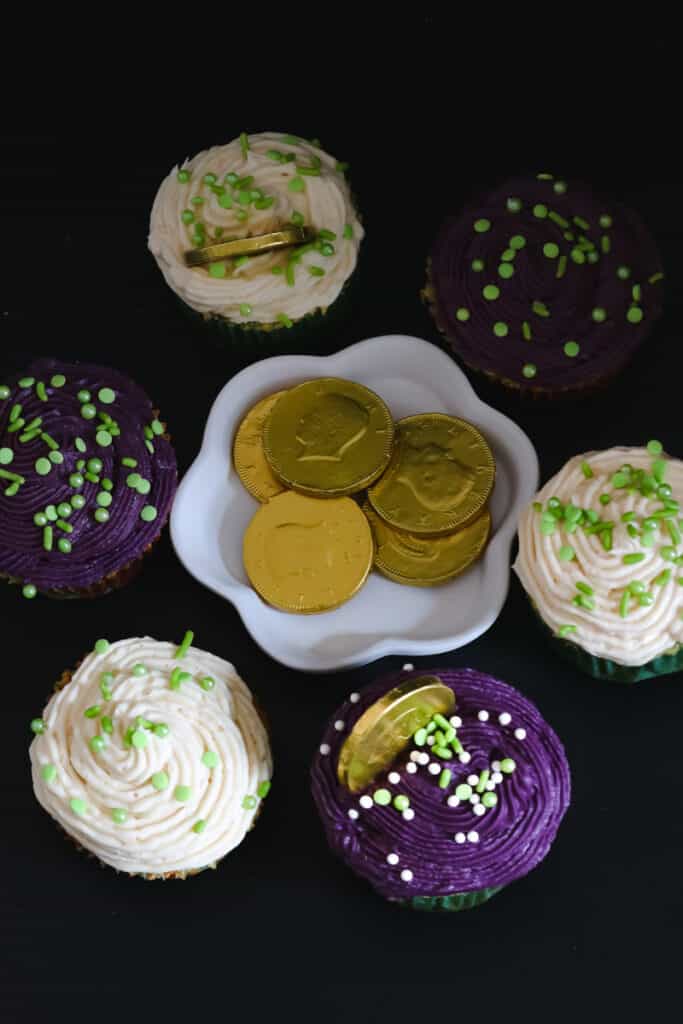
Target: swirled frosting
{"x": 50, "y": 499}
{"x": 612, "y": 583}
{"x": 233, "y": 191}
{"x": 433, "y": 848}
{"x": 152, "y": 800}
{"x": 545, "y": 284}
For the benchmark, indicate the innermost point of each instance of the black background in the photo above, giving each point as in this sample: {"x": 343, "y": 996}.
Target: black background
{"x": 425, "y": 113}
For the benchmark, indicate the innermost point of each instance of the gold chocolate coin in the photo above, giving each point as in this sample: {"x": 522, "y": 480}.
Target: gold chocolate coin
{"x": 387, "y": 726}
{"x": 247, "y": 453}
{"x": 329, "y": 437}
{"x": 306, "y": 555}
{"x": 426, "y": 561}
{"x": 251, "y": 246}
{"x": 439, "y": 478}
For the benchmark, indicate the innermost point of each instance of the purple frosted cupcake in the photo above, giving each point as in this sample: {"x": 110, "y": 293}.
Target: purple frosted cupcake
{"x": 87, "y": 477}
{"x": 544, "y": 285}
{"x": 470, "y": 802}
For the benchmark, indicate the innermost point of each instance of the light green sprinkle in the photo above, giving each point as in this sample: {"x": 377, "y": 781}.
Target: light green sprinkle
{"x": 463, "y": 791}
{"x": 599, "y": 315}
{"x": 29, "y": 591}
{"x": 513, "y": 204}
{"x": 284, "y": 319}
{"x": 462, "y": 314}
{"x": 490, "y": 292}
{"x": 585, "y": 588}
{"x": 348, "y": 231}
{"x": 249, "y": 803}
{"x": 182, "y": 793}
{"x": 97, "y": 744}
{"x": 382, "y": 797}
{"x": 148, "y": 514}
{"x": 6, "y": 456}
{"x": 585, "y": 468}
{"x": 551, "y": 250}
{"x": 561, "y": 266}
{"x": 482, "y": 225}
{"x": 517, "y": 242}
{"x": 207, "y": 683}
{"x": 296, "y": 184}
{"x": 48, "y": 772}
{"x": 489, "y": 800}
{"x": 540, "y": 210}
{"x": 263, "y": 789}
{"x": 161, "y": 730}
{"x": 199, "y": 826}
{"x": 507, "y": 765}
{"x": 571, "y": 349}
{"x": 500, "y": 329}
{"x": 633, "y": 558}
{"x": 78, "y": 806}
{"x": 529, "y": 370}
{"x": 401, "y": 802}
{"x": 506, "y": 271}
{"x": 634, "y": 315}
{"x": 566, "y": 553}
{"x": 540, "y": 308}
{"x": 654, "y": 447}
{"x": 42, "y": 466}
{"x": 38, "y": 726}
{"x": 185, "y": 644}
{"x": 101, "y": 646}
{"x": 477, "y": 266}
{"x": 210, "y": 758}
{"x": 160, "y": 780}
{"x": 526, "y": 330}
{"x": 47, "y": 538}
{"x": 566, "y": 629}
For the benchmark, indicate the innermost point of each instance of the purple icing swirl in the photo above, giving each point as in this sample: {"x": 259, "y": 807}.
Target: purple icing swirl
{"x": 571, "y": 296}
{"x": 514, "y": 836}
{"x": 97, "y": 549}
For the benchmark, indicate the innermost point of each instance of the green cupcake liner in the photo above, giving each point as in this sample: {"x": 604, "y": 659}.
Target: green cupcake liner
{"x": 604, "y": 668}
{"x": 455, "y": 902}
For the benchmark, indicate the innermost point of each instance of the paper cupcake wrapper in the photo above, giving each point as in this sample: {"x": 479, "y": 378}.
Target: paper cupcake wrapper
{"x": 604, "y": 668}
{"x": 455, "y": 902}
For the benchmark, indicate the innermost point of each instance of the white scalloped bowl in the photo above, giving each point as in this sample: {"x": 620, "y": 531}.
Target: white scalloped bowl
{"x": 212, "y": 509}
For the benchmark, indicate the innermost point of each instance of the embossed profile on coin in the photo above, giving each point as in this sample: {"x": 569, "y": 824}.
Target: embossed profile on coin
{"x": 439, "y": 478}
{"x": 329, "y": 437}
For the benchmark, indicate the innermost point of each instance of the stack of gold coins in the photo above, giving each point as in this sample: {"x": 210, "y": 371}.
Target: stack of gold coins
{"x": 420, "y": 486}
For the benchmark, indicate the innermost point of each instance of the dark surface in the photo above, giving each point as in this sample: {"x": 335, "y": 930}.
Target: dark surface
{"x": 282, "y": 924}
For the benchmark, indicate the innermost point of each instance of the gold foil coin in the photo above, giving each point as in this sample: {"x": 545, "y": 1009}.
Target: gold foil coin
{"x": 387, "y": 727}
{"x": 247, "y": 453}
{"x": 251, "y": 246}
{"x": 426, "y": 561}
{"x": 329, "y": 437}
{"x": 305, "y": 555}
{"x": 439, "y": 478}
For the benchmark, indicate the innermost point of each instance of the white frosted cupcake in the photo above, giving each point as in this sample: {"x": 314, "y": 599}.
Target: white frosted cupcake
{"x": 601, "y": 557}
{"x": 152, "y": 757}
{"x": 254, "y": 185}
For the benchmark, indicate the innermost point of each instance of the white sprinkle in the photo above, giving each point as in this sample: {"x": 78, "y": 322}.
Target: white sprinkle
{"x": 520, "y": 734}
{"x": 497, "y": 778}
{"x": 464, "y": 758}
{"x": 324, "y": 749}
{"x": 455, "y": 721}
{"x": 339, "y": 725}
{"x": 394, "y": 778}
{"x": 475, "y": 798}
{"x": 366, "y": 802}
{"x": 505, "y": 718}
{"x": 392, "y": 858}
{"x": 406, "y": 875}
{"x": 472, "y": 780}
{"x": 354, "y": 698}
{"x": 424, "y": 758}
{"x": 353, "y": 813}
{"x": 490, "y": 785}
{"x": 415, "y": 755}
{"x": 408, "y": 667}
{"x": 483, "y": 716}
{"x": 460, "y": 837}
{"x": 495, "y": 765}
{"x": 453, "y": 801}
{"x": 479, "y": 809}
{"x": 434, "y": 768}
{"x": 408, "y": 814}
{"x": 473, "y": 836}
{"x": 431, "y": 741}
{"x": 411, "y": 767}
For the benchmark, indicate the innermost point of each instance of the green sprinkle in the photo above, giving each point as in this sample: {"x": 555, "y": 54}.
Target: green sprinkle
{"x": 6, "y": 456}
{"x": 513, "y": 204}
{"x": 635, "y": 292}
{"x": 585, "y": 468}
{"x": 101, "y": 646}
{"x": 599, "y": 315}
{"x": 47, "y": 538}
{"x": 540, "y": 210}
{"x": 101, "y": 515}
{"x": 51, "y": 513}
{"x": 88, "y": 412}
{"x": 199, "y": 826}
{"x": 566, "y": 553}
{"x": 561, "y": 266}
{"x": 48, "y": 772}
{"x": 38, "y": 726}
{"x": 500, "y": 329}
{"x": 40, "y": 391}
{"x": 106, "y": 396}
{"x": 106, "y": 723}
{"x": 654, "y": 447}
{"x": 249, "y": 803}
{"x": 560, "y": 221}
{"x": 382, "y": 797}
{"x": 587, "y": 603}
{"x": 659, "y": 469}
{"x": 97, "y": 744}
{"x": 43, "y": 466}
{"x": 577, "y": 255}
{"x": 462, "y": 314}
{"x": 506, "y": 271}
{"x": 663, "y": 578}
{"x": 585, "y": 588}
{"x": 401, "y": 802}
{"x": 103, "y": 438}
{"x": 489, "y": 799}
{"x": 566, "y": 630}
{"x": 119, "y": 815}
{"x": 606, "y": 539}
{"x": 187, "y": 216}
{"x": 4, "y": 392}
{"x": 348, "y": 231}
{"x": 633, "y": 558}
{"x": 64, "y": 545}
{"x": 477, "y": 265}
{"x": 551, "y": 251}
{"x": 138, "y": 739}
{"x": 185, "y": 644}
{"x": 296, "y": 184}
{"x": 160, "y": 780}
{"x": 517, "y": 242}
{"x": 29, "y": 591}
{"x": 27, "y": 382}
{"x": 56, "y": 457}
{"x": 211, "y": 759}
{"x": 218, "y": 269}
{"x": 634, "y": 315}
{"x": 284, "y": 320}
{"x": 106, "y": 484}
{"x": 507, "y": 765}
{"x": 483, "y": 779}
{"x": 463, "y": 791}
{"x": 183, "y": 177}
{"x": 148, "y": 514}
{"x": 529, "y": 370}
{"x": 490, "y": 292}
{"x": 263, "y": 788}
{"x": 624, "y": 603}
{"x": 244, "y": 143}
{"x": 78, "y": 806}
{"x": 441, "y": 751}
{"x": 540, "y": 308}
{"x": 104, "y": 499}
{"x": 482, "y": 225}
{"x": 526, "y": 330}
{"x": 560, "y": 187}
{"x": 571, "y": 349}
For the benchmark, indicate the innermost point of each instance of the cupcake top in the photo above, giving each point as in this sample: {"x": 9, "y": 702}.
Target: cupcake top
{"x": 87, "y": 473}
{"x": 474, "y": 810}
{"x": 601, "y": 556}
{"x": 153, "y": 757}
{"x": 252, "y": 186}
{"x": 545, "y": 284}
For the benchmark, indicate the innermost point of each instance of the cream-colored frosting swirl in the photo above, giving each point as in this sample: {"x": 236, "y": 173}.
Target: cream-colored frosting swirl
{"x": 214, "y": 755}
{"x": 619, "y": 627}
{"x": 252, "y": 292}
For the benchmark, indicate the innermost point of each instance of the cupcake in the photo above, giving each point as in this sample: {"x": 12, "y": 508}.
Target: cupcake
{"x": 87, "y": 476}
{"x": 255, "y": 185}
{"x": 600, "y": 557}
{"x": 544, "y": 285}
{"x": 152, "y": 757}
{"x": 440, "y": 787}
